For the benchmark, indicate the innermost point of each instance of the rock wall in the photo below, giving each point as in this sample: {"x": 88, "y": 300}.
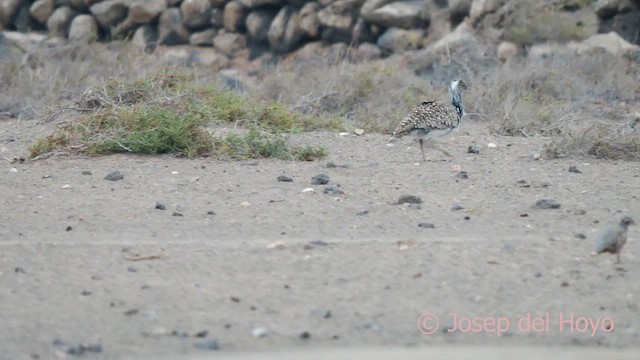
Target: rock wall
{"x": 281, "y": 26}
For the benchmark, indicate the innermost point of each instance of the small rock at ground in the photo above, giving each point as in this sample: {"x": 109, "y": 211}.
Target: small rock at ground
{"x": 207, "y": 344}
{"x": 580, "y": 236}
{"x": 333, "y": 190}
{"x": 320, "y": 179}
{"x": 175, "y": 213}
{"x": 473, "y": 150}
{"x": 462, "y": 175}
{"x": 362, "y": 213}
{"x": 85, "y": 293}
{"x": 283, "y": 178}
{"x": 132, "y": 269}
{"x": 114, "y": 176}
{"x": 69, "y": 228}
{"x": 318, "y": 243}
{"x": 305, "y": 335}
{"x": 579, "y": 211}
{"x": 358, "y": 131}
{"x": 457, "y": 207}
{"x": 19, "y": 270}
{"x": 492, "y": 145}
{"x": 277, "y": 245}
{"x": 13, "y": 170}
{"x": 235, "y": 299}
{"x": 426, "y": 225}
{"x": 492, "y": 261}
{"x": 202, "y": 334}
{"x": 408, "y": 199}
{"x": 160, "y": 206}
{"x": 259, "y": 332}
{"x": 332, "y": 165}
{"x": 565, "y": 284}
{"x": 87, "y": 172}
{"x": 308, "y": 190}
{"x": 574, "y": 169}
{"x": 211, "y": 212}
{"x": 546, "y": 204}
{"x": 76, "y": 349}
{"x": 467, "y": 217}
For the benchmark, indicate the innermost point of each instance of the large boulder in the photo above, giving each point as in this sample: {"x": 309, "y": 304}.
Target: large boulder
{"x": 40, "y": 10}
{"x": 480, "y": 8}
{"x": 141, "y": 12}
{"x": 58, "y": 23}
{"x": 258, "y": 23}
{"x": 626, "y": 24}
{"x": 196, "y": 14}
{"x": 83, "y": 29}
{"x": 338, "y": 19}
{"x": 235, "y": 15}
{"x": 395, "y": 40}
{"x": 606, "y": 9}
{"x": 229, "y": 43}
{"x": 9, "y": 10}
{"x": 203, "y": 38}
{"x": 145, "y": 38}
{"x": 369, "y": 6}
{"x": 109, "y": 13}
{"x": 258, "y": 3}
{"x": 309, "y": 21}
{"x": 401, "y": 14}
{"x": 458, "y": 11}
{"x": 171, "y": 29}
{"x": 610, "y": 42}
{"x": 285, "y": 33}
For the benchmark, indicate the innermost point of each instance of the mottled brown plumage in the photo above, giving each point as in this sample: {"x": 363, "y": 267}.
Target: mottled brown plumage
{"x": 432, "y": 119}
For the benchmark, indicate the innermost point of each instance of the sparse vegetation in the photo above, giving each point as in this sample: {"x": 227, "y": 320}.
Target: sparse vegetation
{"x": 580, "y": 103}
{"x": 163, "y": 114}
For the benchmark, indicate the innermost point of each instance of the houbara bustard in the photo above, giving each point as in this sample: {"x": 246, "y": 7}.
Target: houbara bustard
{"x": 433, "y": 119}
{"x": 613, "y": 238}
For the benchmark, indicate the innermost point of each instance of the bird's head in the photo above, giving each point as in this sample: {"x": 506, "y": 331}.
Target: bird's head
{"x": 626, "y": 221}
{"x": 457, "y": 85}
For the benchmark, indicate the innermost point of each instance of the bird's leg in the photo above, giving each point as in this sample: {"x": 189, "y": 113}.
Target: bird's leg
{"x": 435, "y": 147}
{"x": 421, "y": 141}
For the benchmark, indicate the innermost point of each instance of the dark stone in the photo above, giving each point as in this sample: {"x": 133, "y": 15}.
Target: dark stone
{"x": 546, "y": 204}
{"x": 320, "y": 179}
{"x": 426, "y": 225}
{"x": 362, "y": 213}
{"x": 87, "y": 172}
{"x": 305, "y": 335}
{"x": 283, "y": 178}
{"x": 211, "y": 212}
{"x": 580, "y": 236}
{"x": 69, "y": 228}
{"x": 209, "y": 344}
{"x": 160, "y": 206}
{"x": 19, "y": 270}
{"x": 408, "y": 199}
{"x": 333, "y": 190}
{"x": 202, "y": 334}
{"x": 175, "y": 213}
{"x": 462, "y": 175}
{"x": 574, "y": 169}
{"x": 473, "y": 150}
{"x": 114, "y": 176}
{"x": 456, "y": 207}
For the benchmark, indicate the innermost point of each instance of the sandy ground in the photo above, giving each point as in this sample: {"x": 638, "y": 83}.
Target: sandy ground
{"x": 321, "y": 278}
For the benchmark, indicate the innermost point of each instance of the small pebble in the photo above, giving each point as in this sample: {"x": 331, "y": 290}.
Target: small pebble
{"x": 362, "y": 213}
{"x": 308, "y": 190}
{"x": 472, "y": 150}
{"x": 277, "y": 245}
{"x": 86, "y": 292}
{"x": 574, "y": 169}
{"x": 245, "y": 204}
{"x": 160, "y": 206}
{"x": 332, "y": 165}
{"x": 19, "y": 270}
{"x": 358, "y": 131}
{"x": 208, "y": 344}
{"x": 114, "y": 176}
{"x": 318, "y": 243}
{"x": 13, "y": 170}
{"x": 69, "y": 228}
{"x": 175, "y": 213}
{"x": 467, "y": 218}
{"x": 283, "y": 178}
{"x": 211, "y": 212}
{"x": 332, "y": 190}
{"x": 565, "y": 284}
{"x": 87, "y": 173}
{"x": 462, "y": 175}
{"x": 305, "y": 335}
{"x": 259, "y": 332}
{"x": 66, "y": 186}
{"x": 408, "y": 199}
{"x": 546, "y": 204}
{"x": 426, "y": 225}
{"x": 457, "y": 207}
{"x": 580, "y": 236}
{"x": 47, "y": 176}
{"x": 492, "y": 261}
{"x": 320, "y": 179}
{"x": 202, "y": 334}
{"x": 578, "y": 212}
{"x": 132, "y": 269}
{"x": 234, "y": 299}
{"x": 492, "y": 145}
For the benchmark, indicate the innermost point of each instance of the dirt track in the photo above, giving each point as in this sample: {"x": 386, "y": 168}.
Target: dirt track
{"x": 376, "y": 273}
